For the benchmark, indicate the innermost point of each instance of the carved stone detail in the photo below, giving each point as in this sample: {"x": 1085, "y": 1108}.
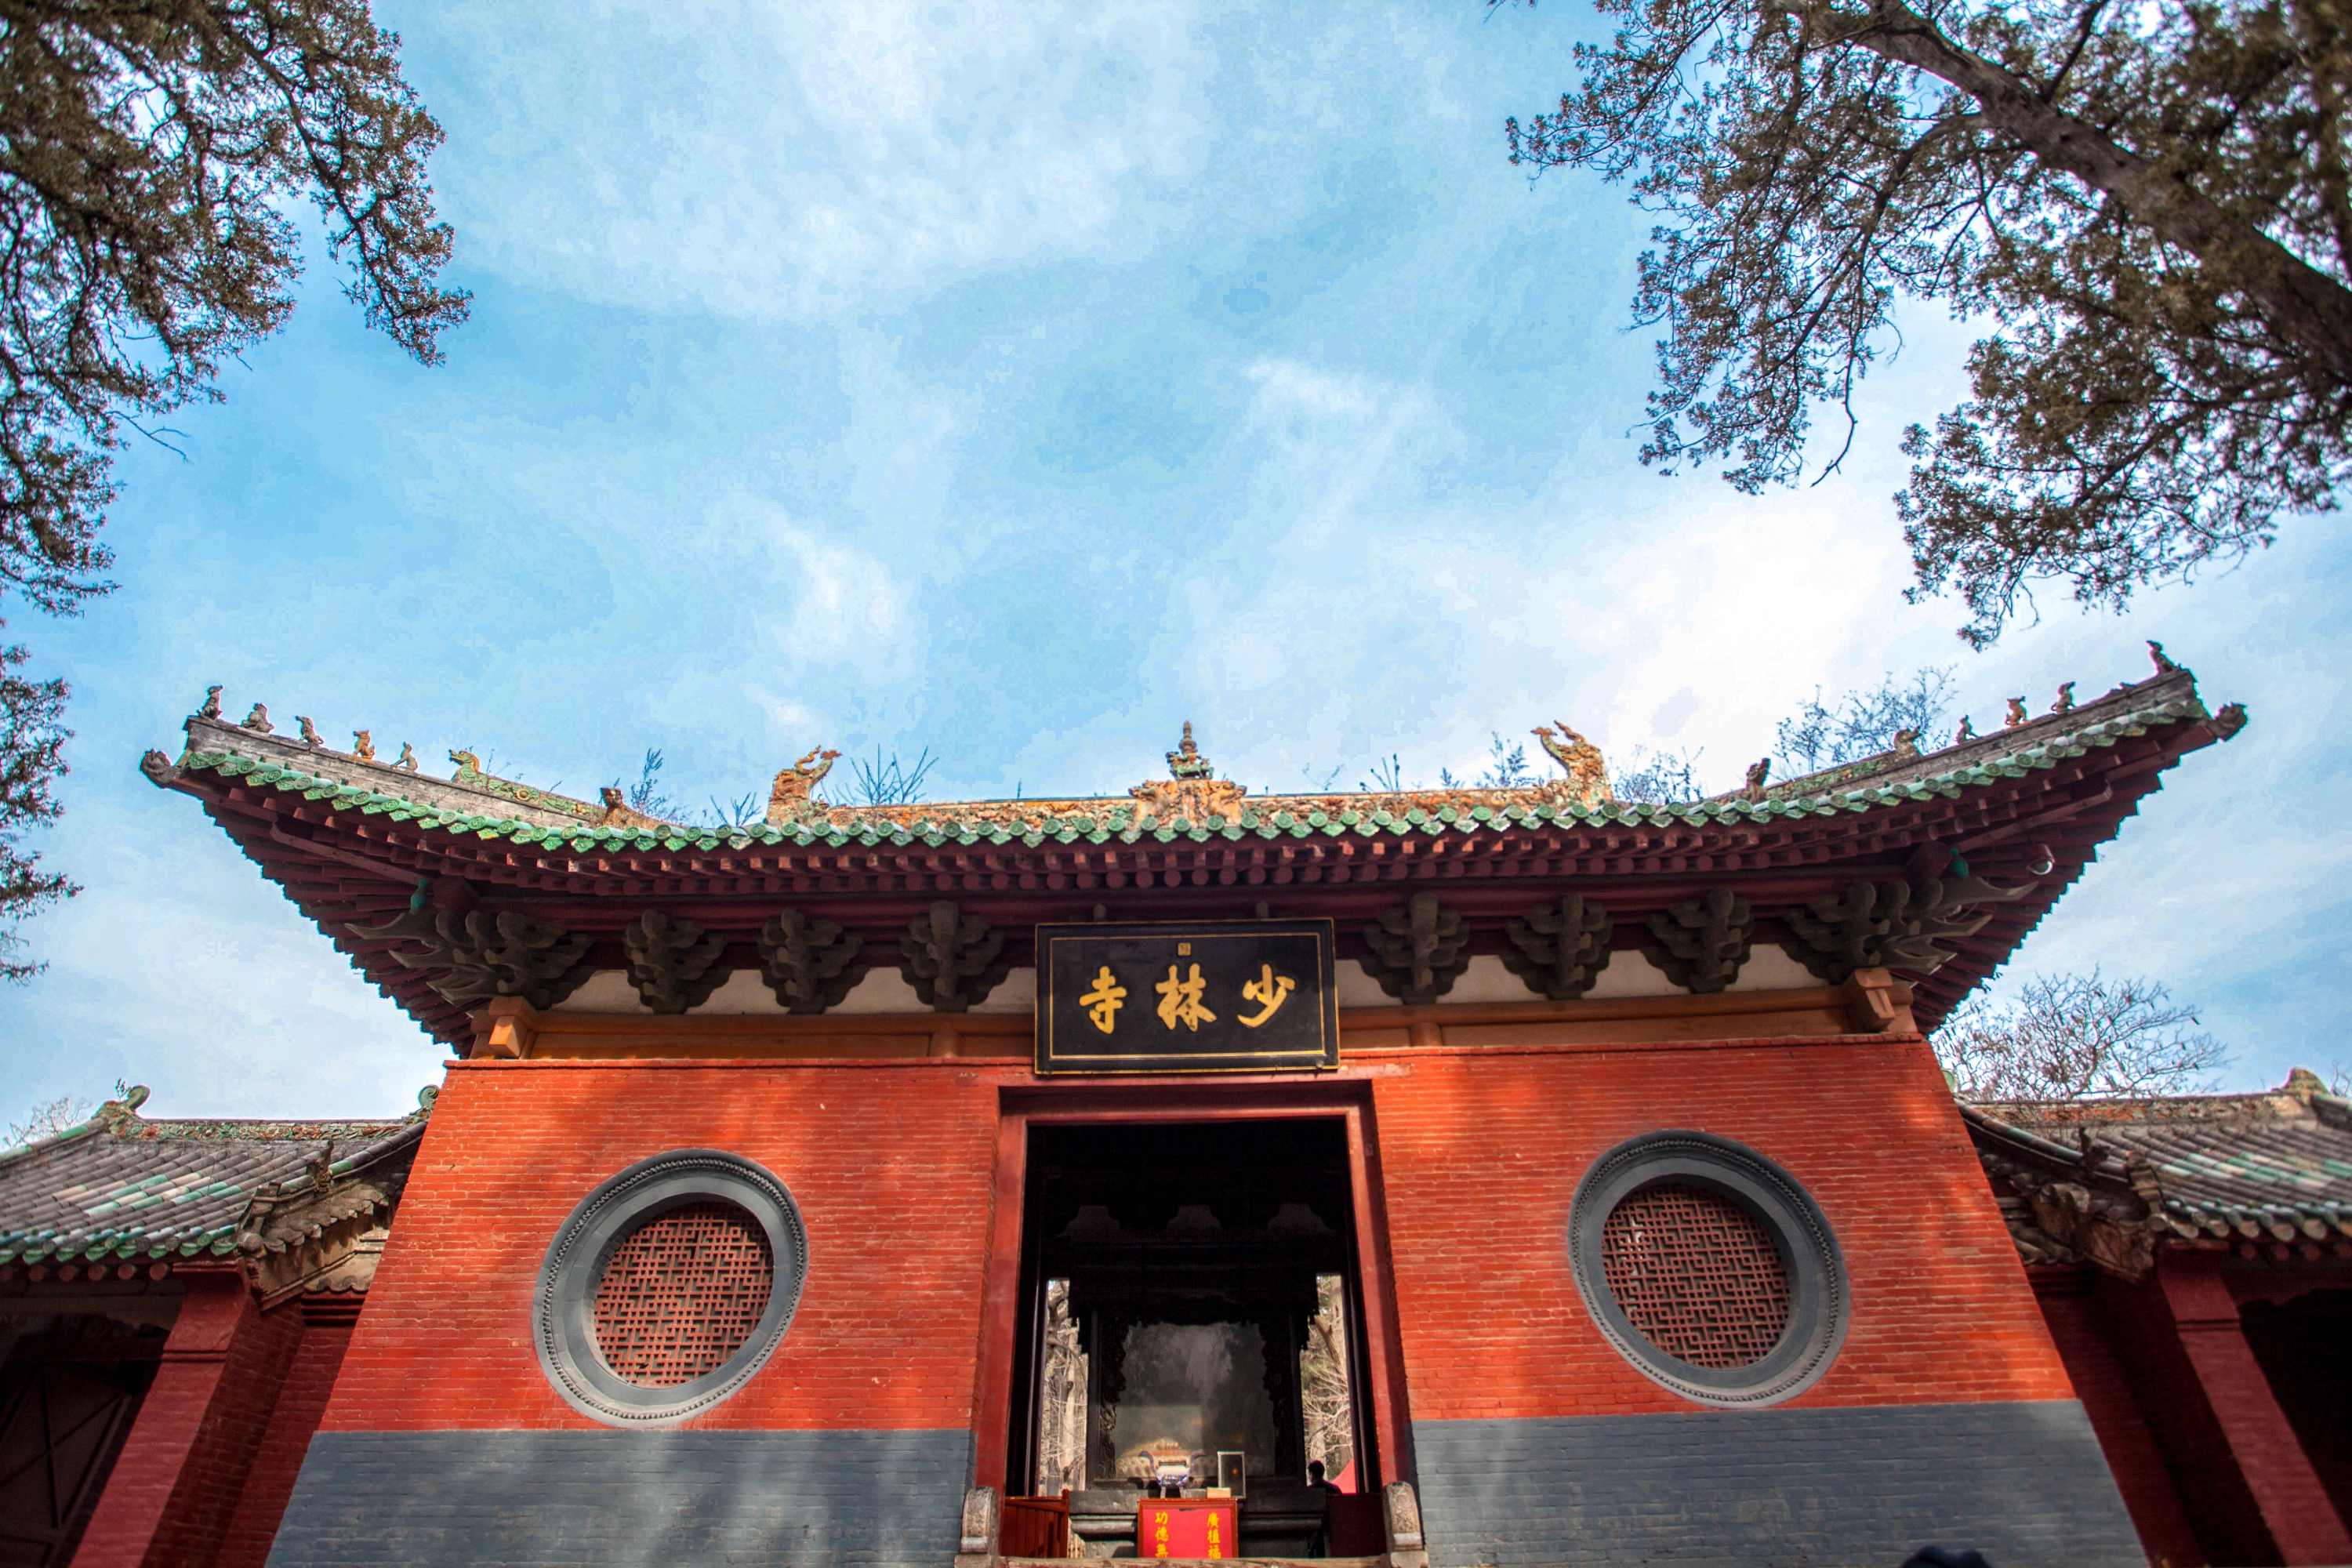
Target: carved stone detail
{"x": 1560, "y": 951}
{"x": 672, "y": 964}
{"x": 953, "y": 958}
{"x": 808, "y": 962}
{"x": 1703, "y": 941}
{"x": 487, "y": 955}
{"x": 160, "y": 770}
{"x": 1418, "y": 950}
{"x": 1404, "y": 1518}
{"x": 976, "y": 1540}
{"x": 1888, "y": 925}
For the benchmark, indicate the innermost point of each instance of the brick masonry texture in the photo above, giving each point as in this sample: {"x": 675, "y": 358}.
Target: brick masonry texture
{"x": 2023, "y": 1483}
{"x": 1481, "y": 1152}
{"x": 262, "y": 1501}
{"x": 890, "y": 1167}
{"x": 619, "y": 1499}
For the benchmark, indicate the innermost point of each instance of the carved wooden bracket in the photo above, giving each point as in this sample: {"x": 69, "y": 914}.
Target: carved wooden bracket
{"x": 1418, "y": 950}
{"x": 1703, "y": 941}
{"x": 1561, "y": 951}
{"x": 1888, "y": 925}
{"x": 808, "y": 962}
{"x": 673, "y": 965}
{"x": 951, "y": 958}
{"x": 507, "y": 954}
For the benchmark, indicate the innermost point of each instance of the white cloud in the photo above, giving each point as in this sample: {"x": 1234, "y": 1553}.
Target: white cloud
{"x": 762, "y": 161}
{"x": 1285, "y": 386}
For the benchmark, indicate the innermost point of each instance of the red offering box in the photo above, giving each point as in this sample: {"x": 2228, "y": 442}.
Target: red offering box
{"x": 1186, "y": 1527}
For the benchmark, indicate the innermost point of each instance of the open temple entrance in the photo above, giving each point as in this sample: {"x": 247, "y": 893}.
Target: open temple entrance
{"x": 1191, "y": 1327}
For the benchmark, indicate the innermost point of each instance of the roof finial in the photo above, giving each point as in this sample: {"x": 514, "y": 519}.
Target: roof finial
{"x": 258, "y": 720}
{"x": 309, "y": 732}
{"x": 1967, "y": 731}
{"x": 1186, "y": 761}
{"x": 2065, "y": 703}
{"x": 211, "y": 709}
{"x": 1588, "y": 772}
{"x": 2016, "y": 713}
{"x": 364, "y": 745}
{"x": 790, "y": 794}
{"x": 2155, "y": 651}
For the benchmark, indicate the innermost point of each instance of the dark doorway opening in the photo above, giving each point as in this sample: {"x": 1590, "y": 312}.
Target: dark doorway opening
{"x": 70, "y": 1389}
{"x": 1190, "y": 1323}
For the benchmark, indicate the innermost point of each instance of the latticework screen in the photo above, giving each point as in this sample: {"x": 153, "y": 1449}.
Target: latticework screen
{"x": 682, "y": 1293}
{"x": 1697, "y": 1274}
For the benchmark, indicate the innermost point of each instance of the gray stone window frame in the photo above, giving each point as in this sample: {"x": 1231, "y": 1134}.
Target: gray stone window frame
{"x": 564, "y": 1309}
{"x": 1819, "y": 1303}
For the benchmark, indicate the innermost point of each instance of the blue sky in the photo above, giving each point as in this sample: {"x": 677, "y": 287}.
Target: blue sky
{"x": 1018, "y": 381}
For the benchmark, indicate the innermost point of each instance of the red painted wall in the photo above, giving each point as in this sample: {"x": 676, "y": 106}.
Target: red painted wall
{"x": 169, "y": 1500}
{"x": 300, "y": 1402}
{"x": 2104, "y": 1384}
{"x": 891, "y": 1162}
{"x": 1482, "y": 1152}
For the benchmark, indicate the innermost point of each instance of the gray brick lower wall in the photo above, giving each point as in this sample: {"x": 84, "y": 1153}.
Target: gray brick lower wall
{"x": 2022, "y": 1482}
{"x": 672, "y": 1498}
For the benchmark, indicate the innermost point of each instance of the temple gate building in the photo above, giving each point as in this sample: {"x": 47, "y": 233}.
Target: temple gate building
{"x": 1564, "y": 1180}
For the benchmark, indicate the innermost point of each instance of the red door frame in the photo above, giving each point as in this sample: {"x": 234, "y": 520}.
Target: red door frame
{"x": 1346, "y": 1097}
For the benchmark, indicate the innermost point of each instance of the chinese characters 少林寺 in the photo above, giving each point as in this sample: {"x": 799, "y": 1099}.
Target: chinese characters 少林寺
{"x": 1270, "y": 989}
{"x": 1102, "y": 1004}
{"x": 1180, "y": 1000}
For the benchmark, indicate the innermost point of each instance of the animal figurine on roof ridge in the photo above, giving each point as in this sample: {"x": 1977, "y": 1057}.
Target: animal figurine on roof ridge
{"x": 1186, "y": 761}
{"x": 788, "y": 795}
{"x": 1588, "y": 772}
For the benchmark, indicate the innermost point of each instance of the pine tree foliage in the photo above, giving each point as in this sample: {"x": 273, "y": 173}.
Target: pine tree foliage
{"x": 152, "y": 157}
{"x": 2148, "y": 204}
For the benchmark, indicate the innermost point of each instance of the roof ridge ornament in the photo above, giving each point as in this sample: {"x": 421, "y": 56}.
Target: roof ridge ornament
{"x": 470, "y": 776}
{"x": 1193, "y": 791}
{"x": 789, "y": 797}
{"x": 1186, "y": 761}
{"x": 1587, "y": 784}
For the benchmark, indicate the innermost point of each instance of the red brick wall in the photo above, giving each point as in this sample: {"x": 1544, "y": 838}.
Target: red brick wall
{"x": 2105, "y": 1389}
{"x": 891, "y": 1162}
{"x": 301, "y": 1401}
{"x": 168, "y": 1502}
{"x": 1481, "y": 1152}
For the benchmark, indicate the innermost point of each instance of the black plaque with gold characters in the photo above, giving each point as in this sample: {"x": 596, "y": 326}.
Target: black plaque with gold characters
{"x": 1212, "y": 996}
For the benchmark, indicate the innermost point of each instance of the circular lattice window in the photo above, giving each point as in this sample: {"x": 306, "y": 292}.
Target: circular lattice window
{"x": 668, "y": 1287}
{"x": 1708, "y": 1268}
